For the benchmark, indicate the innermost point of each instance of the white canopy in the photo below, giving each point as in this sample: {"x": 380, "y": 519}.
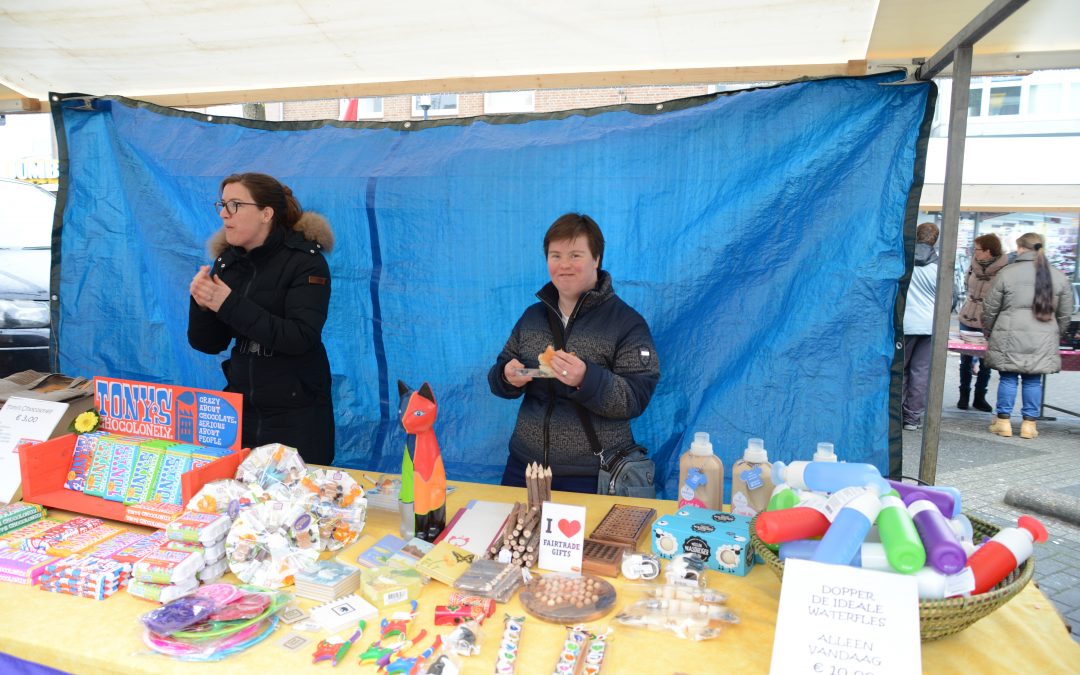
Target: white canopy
{"x": 198, "y": 53}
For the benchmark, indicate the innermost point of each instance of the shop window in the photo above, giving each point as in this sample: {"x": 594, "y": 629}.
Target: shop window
{"x": 509, "y": 102}
{"x": 441, "y": 104}
{"x": 368, "y": 108}
{"x": 1044, "y": 99}
{"x": 975, "y": 103}
{"x": 1005, "y": 100}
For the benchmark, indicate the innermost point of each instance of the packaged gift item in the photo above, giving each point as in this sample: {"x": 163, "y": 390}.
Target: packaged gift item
{"x": 145, "y": 474}
{"x": 267, "y": 465}
{"x": 721, "y": 540}
{"x": 205, "y": 528}
{"x": 213, "y": 571}
{"x": 142, "y": 548}
{"x": 490, "y": 579}
{"x": 162, "y": 592}
{"x": 107, "y": 548}
{"x": 85, "y": 576}
{"x": 13, "y": 516}
{"x": 174, "y": 464}
{"x": 203, "y": 455}
{"x": 58, "y": 533}
{"x": 222, "y": 496}
{"x": 168, "y": 567}
{"x": 97, "y": 475}
{"x": 211, "y": 553}
{"x": 23, "y": 567}
{"x": 153, "y": 514}
{"x": 270, "y": 542}
{"x": 338, "y": 502}
{"x": 327, "y": 580}
{"x": 121, "y": 467}
{"x": 385, "y": 586}
{"x": 16, "y": 537}
{"x": 84, "y": 540}
{"x": 80, "y": 460}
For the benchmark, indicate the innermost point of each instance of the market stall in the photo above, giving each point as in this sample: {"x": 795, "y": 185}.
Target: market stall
{"x": 80, "y": 635}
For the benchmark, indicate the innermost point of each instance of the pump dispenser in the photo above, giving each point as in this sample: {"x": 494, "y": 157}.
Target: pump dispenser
{"x": 1006, "y": 550}
{"x": 824, "y": 453}
{"x": 751, "y": 480}
{"x": 701, "y": 475}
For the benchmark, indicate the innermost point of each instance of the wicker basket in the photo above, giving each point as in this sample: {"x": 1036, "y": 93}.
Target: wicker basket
{"x": 938, "y": 618}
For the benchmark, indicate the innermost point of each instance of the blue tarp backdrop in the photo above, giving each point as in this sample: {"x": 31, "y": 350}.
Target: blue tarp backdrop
{"x": 760, "y": 233}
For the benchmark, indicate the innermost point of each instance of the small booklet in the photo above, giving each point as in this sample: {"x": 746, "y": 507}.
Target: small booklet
{"x": 343, "y": 613}
{"x": 379, "y": 553}
{"x": 446, "y": 562}
{"x": 411, "y": 552}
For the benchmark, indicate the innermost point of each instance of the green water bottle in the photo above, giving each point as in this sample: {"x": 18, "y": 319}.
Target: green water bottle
{"x": 903, "y": 547}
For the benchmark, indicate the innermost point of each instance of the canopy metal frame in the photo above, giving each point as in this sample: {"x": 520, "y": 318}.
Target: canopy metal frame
{"x": 958, "y": 53}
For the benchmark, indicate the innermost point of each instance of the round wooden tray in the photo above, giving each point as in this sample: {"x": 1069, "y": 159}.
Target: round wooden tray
{"x": 565, "y": 599}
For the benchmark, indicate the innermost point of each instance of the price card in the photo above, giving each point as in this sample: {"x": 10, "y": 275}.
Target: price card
{"x": 840, "y": 620}
{"x": 23, "y": 421}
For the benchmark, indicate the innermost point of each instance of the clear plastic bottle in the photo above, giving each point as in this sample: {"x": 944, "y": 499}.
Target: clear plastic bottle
{"x": 701, "y": 475}
{"x": 751, "y": 480}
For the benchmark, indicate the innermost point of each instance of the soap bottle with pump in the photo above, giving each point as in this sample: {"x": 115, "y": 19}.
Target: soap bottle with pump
{"x": 701, "y": 475}
{"x": 751, "y": 480}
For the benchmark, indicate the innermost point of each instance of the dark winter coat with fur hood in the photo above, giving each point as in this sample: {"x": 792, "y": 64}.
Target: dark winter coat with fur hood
{"x": 274, "y": 318}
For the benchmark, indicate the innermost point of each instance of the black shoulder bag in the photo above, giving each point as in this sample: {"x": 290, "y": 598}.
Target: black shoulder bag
{"x": 624, "y": 473}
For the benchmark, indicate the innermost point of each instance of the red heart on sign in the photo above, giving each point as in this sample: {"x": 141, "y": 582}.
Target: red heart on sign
{"x": 569, "y": 527}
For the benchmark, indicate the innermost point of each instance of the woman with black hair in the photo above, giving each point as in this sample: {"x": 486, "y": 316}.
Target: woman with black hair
{"x": 268, "y": 292}
{"x": 1019, "y": 316}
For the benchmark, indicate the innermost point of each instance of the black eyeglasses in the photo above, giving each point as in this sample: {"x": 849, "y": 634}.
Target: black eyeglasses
{"x": 232, "y": 206}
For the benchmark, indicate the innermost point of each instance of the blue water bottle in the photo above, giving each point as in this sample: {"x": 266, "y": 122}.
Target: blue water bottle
{"x": 845, "y": 536}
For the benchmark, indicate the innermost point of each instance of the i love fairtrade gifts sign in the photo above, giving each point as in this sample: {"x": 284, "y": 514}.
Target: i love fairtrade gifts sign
{"x": 562, "y": 537}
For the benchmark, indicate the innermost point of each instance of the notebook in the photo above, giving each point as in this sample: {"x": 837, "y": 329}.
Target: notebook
{"x": 343, "y": 613}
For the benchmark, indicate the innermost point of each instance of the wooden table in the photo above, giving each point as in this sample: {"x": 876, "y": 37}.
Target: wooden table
{"x": 86, "y": 636}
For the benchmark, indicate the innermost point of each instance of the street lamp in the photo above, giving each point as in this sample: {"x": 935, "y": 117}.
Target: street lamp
{"x": 425, "y": 104}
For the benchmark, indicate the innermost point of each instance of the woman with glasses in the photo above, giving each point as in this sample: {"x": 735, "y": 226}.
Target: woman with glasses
{"x": 1025, "y": 314}
{"x": 267, "y": 292}
{"x": 980, "y": 275}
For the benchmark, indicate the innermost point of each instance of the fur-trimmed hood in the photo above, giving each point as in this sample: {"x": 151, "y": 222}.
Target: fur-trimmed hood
{"x": 313, "y": 226}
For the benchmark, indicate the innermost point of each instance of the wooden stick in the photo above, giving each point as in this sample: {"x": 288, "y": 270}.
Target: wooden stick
{"x": 547, "y": 484}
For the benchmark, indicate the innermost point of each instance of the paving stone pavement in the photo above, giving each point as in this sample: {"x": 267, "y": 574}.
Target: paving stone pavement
{"x": 984, "y": 467}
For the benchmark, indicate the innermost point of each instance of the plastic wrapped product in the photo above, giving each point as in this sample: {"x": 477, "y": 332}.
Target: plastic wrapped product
{"x": 270, "y": 464}
{"x": 338, "y": 502}
{"x": 270, "y": 542}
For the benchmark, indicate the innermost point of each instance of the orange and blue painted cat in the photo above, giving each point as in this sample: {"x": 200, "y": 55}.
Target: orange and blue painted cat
{"x": 418, "y": 410}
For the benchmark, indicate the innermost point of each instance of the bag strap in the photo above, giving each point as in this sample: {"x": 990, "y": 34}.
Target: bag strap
{"x": 586, "y": 421}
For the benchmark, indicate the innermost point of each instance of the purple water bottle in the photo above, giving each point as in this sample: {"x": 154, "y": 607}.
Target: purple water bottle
{"x": 943, "y": 549}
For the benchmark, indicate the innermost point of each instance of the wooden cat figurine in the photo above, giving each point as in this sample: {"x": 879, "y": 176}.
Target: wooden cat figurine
{"x": 418, "y": 411}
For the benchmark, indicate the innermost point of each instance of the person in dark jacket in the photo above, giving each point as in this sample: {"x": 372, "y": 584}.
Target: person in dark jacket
{"x": 1025, "y": 314}
{"x": 608, "y": 365}
{"x": 985, "y": 265}
{"x": 267, "y": 292}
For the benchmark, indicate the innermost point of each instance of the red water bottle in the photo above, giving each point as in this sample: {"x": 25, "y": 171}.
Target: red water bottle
{"x": 1007, "y": 550}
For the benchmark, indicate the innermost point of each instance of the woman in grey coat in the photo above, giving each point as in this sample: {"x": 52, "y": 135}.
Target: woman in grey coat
{"x": 1019, "y": 316}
